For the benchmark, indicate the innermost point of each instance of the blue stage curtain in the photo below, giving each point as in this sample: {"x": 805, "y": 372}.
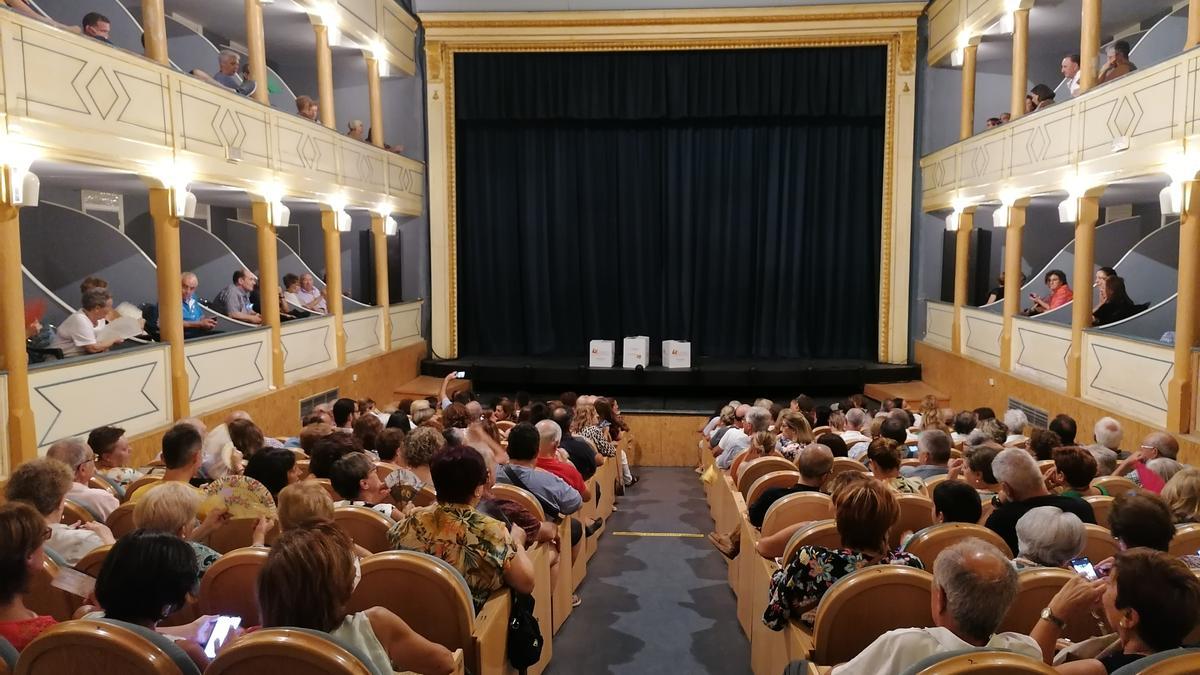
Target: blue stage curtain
{"x": 729, "y": 198}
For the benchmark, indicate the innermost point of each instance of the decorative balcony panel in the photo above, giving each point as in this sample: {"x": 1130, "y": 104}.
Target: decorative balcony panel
{"x": 361, "y": 16}
{"x": 223, "y": 129}
{"x": 309, "y": 348}
{"x": 1039, "y": 351}
{"x": 362, "y": 166}
{"x": 1128, "y": 375}
{"x": 1142, "y": 112}
{"x": 127, "y": 388}
{"x": 981, "y": 335}
{"x": 307, "y": 148}
{"x": 364, "y": 333}
{"x": 225, "y": 369}
{"x": 406, "y": 182}
{"x": 406, "y": 322}
{"x": 939, "y": 324}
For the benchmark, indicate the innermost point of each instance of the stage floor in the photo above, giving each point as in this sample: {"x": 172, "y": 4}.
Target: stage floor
{"x": 695, "y": 390}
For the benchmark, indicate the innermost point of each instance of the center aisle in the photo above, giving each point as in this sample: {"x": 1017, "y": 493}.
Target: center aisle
{"x": 655, "y": 604}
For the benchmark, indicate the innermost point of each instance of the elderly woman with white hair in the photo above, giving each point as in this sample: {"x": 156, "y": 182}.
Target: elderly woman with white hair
{"x": 1048, "y": 537}
{"x": 1023, "y": 489}
{"x": 1016, "y": 421}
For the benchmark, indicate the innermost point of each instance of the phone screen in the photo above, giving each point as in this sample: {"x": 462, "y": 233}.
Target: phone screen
{"x": 220, "y": 633}
{"x": 460, "y": 374}
{"x": 1084, "y": 568}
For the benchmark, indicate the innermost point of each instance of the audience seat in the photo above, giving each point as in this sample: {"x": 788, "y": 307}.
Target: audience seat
{"x": 1100, "y": 544}
{"x": 1045, "y": 464}
{"x": 1035, "y": 587}
{"x": 302, "y": 467}
{"x": 866, "y": 604}
{"x": 932, "y": 482}
{"x": 775, "y": 479}
{"x": 120, "y": 521}
{"x": 910, "y": 461}
{"x": 521, "y": 496}
{"x": 236, "y": 533}
{"x": 110, "y": 486}
{"x": 1186, "y": 541}
{"x": 365, "y": 526}
{"x": 841, "y": 464}
{"x": 103, "y": 647}
{"x": 91, "y": 562}
{"x": 1101, "y": 506}
{"x": 76, "y": 513}
{"x": 797, "y": 508}
{"x": 325, "y": 483}
{"x": 137, "y": 484}
{"x": 385, "y": 469}
{"x": 44, "y": 598}
{"x": 821, "y": 430}
{"x": 425, "y": 497}
{"x": 929, "y": 542}
{"x": 757, "y": 468}
{"x": 916, "y": 514}
{"x": 1114, "y": 485}
{"x": 294, "y": 650}
{"x": 821, "y": 533}
{"x": 228, "y": 587}
{"x": 981, "y": 661}
{"x": 505, "y": 426}
{"x": 1171, "y": 662}
{"x": 433, "y": 598}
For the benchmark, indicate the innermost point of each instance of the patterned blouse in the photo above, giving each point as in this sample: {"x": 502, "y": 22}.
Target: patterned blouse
{"x": 906, "y": 485}
{"x": 789, "y": 449}
{"x": 478, "y": 546}
{"x": 798, "y": 586}
{"x": 596, "y": 435}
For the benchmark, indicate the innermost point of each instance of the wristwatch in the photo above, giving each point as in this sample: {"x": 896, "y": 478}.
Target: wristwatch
{"x": 1047, "y": 615}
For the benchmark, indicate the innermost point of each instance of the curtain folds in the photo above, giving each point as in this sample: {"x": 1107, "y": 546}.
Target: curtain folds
{"x": 728, "y": 198}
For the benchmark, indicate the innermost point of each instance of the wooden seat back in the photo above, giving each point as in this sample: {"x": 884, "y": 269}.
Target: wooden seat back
{"x": 1035, "y": 587}
{"x": 328, "y": 485}
{"x": 849, "y": 617}
{"x": 1102, "y": 506}
{"x": 757, "y": 468}
{"x": 139, "y": 483}
{"x": 236, "y": 533}
{"x": 797, "y": 508}
{"x": 99, "y": 482}
{"x": 1099, "y": 544}
{"x": 843, "y": 464}
{"x": 365, "y": 526}
{"x": 74, "y": 512}
{"x": 44, "y": 598}
{"x": 1114, "y": 485}
{"x": 819, "y": 533}
{"x": 87, "y": 647}
{"x": 385, "y": 469}
{"x": 1171, "y": 662}
{"x": 91, "y": 563}
{"x": 521, "y": 496}
{"x": 916, "y": 514}
{"x": 229, "y": 587}
{"x": 929, "y": 542}
{"x": 932, "y": 482}
{"x": 982, "y": 662}
{"x": 1186, "y": 540}
{"x": 775, "y": 479}
{"x": 286, "y": 650}
{"x": 425, "y": 497}
{"x": 120, "y": 521}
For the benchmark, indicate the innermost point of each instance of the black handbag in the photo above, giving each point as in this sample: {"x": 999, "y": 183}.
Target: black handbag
{"x": 524, "y": 633}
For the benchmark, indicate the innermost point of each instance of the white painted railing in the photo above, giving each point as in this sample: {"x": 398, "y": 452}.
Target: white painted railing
{"x": 223, "y": 370}
{"x": 981, "y": 335}
{"x": 939, "y": 324}
{"x": 406, "y": 322}
{"x": 309, "y": 348}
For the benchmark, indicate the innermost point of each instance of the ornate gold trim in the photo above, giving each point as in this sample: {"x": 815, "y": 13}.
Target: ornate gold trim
{"x": 884, "y": 346}
{"x": 430, "y": 22}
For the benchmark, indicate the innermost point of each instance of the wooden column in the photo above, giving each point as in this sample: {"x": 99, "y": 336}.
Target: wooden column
{"x": 967, "y": 120}
{"x": 375, "y": 97}
{"x": 256, "y": 55}
{"x": 154, "y": 33}
{"x": 1020, "y": 64}
{"x": 1089, "y": 45}
{"x": 22, "y": 434}
{"x": 380, "y": 245}
{"x": 1081, "y": 307}
{"x": 1012, "y": 278}
{"x": 333, "y": 278}
{"x": 170, "y": 301}
{"x": 1193, "y": 31}
{"x": 268, "y": 283}
{"x": 962, "y": 261}
{"x": 325, "y": 76}
{"x": 1182, "y": 389}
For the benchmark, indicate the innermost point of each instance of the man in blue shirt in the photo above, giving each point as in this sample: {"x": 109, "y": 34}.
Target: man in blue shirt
{"x": 194, "y": 321}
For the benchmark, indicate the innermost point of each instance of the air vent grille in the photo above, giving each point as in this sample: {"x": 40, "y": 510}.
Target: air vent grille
{"x": 1037, "y": 417}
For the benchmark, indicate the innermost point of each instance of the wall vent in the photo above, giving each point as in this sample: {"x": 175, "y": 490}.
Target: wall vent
{"x": 307, "y": 404}
{"x": 1037, "y": 417}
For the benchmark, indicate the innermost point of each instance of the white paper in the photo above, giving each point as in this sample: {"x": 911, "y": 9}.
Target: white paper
{"x": 122, "y": 328}
{"x": 74, "y": 582}
{"x": 601, "y": 354}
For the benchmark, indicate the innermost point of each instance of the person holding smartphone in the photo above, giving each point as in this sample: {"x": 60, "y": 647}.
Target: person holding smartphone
{"x": 1060, "y": 293}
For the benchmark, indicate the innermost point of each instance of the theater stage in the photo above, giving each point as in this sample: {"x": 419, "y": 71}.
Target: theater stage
{"x": 697, "y": 389}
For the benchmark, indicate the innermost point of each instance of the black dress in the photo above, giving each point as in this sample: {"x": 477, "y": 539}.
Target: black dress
{"x": 1112, "y": 312}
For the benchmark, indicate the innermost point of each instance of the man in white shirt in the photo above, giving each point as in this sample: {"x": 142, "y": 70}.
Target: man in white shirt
{"x": 311, "y": 297}
{"x": 1070, "y": 71}
{"x": 1108, "y": 433}
{"x": 77, "y": 333}
{"x": 79, "y": 457}
{"x": 973, "y": 587}
{"x": 857, "y": 424}
{"x": 43, "y": 483}
{"x": 737, "y": 441}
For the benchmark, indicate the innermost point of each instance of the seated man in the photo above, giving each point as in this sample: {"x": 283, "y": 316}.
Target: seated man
{"x": 1118, "y": 63}
{"x": 96, "y": 25}
{"x": 973, "y": 587}
{"x": 556, "y": 496}
{"x": 77, "y": 333}
{"x": 234, "y": 300}
{"x": 1022, "y": 489}
{"x": 1154, "y": 445}
{"x": 309, "y": 296}
{"x": 44, "y": 483}
{"x": 227, "y": 74}
{"x": 356, "y": 130}
{"x": 757, "y": 419}
{"x": 80, "y": 459}
{"x": 181, "y": 455}
{"x": 194, "y": 321}
{"x": 933, "y": 451}
{"x": 549, "y": 435}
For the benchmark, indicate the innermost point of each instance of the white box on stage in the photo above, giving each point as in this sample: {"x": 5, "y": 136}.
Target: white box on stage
{"x": 601, "y": 354}
{"x": 676, "y": 354}
{"x": 636, "y": 352}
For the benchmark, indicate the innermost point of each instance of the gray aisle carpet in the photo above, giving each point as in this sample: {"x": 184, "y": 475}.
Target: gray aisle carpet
{"x": 655, "y": 604}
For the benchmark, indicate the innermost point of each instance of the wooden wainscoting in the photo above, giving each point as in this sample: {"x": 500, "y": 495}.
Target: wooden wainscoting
{"x": 664, "y": 439}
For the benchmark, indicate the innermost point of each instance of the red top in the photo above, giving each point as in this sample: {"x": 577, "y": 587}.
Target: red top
{"x": 1061, "y": 297}
{"x": 21, "y": 633}
{"x": 564, "y": 470}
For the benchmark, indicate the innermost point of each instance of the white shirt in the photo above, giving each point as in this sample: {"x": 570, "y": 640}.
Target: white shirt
{"x": 896, "y": 650}
{"x": 72, "y": 544}
{"x": 293, "y": 300}
{"x": 99, "y": 502}
{"x": 306, "y": 297}
{"x": 74, "y": 333}
{"x": 854, "y": 437}
{"x": 1073, "y": 85}
{"x": 858, "y": 451}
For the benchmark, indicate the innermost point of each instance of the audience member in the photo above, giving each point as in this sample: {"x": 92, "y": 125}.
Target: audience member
{"x": 79, "y": 458}
{"x": 355, "y": 480}
{"x": 976, "y": 468}
{"x": 1115, "y": 303}
{"x": 479, "y": 547}
{"x": 96, "y": 25}
{"x": 586, "y": 424}
{"x": 762, "y": 444}
{"x": 815, "y": 462}
{"x": 955, "y": 501}
{"x": 112, "y": 455}
{"x": 303, "y": 503}
{"x": 866, "y": 510}
{"x": 1182, "y": 495}
{"x": 1048, "y": 537}
{"x": 549, "y": 435}
{"x": 194, "y": 321}
{"x": 174, "y": 508}
{"x": 44, "y": 483}
{"x": 964, "y": 423}
{"x": 420, "y": 447}
{"x": 1042, "y": 443}
{"x": 1106, "y": 460}
{"x": 309, "y": 296}
{"x": 1118, "y": 63}
{"x": 328, "y": 450}
{"x": 1143, "y": 519}
{"x": 794, "y": 433}
{"x": 388, "y": 445}
{"x": 227, "y": 73}
{"x": 1070, "y": 72}
{"x": 555, "y": 494}
{"x": 984, "y": 413}
{"x": 366, "y": 429}
{"x": 1064, "y": 426}
{"x": 234, "y": 300}
{"x": 857, "y": 424}
{"x": 835, "y": 444}
{"x": 1149, "y": 598}
{"x": 306, "y": 107}
{"x": 884, "y": 457}
{"x": 345, "y": 411}
{"x": 77, "y": 333}
{"x": 933, "y": 453}
{"x": 275, "y": 468}
{"x": 973, "y": 587}
{"x": 23, "y": 535}
{"x": 1023, "y": 489}
{"x": 582, "y": 456}
{"x": 1165, "y": 467}
{"x": 247, "y": 438}
{"x": 1108, "y": 433}
{"x": 1154, "y": 445}
{"x": 356, "y": 130}
{"x": 1039, "y": 98}
{"x": 992, "y": 123}
{"x": 180, "y": 454}
{"x": 1060, "y": 294}
{"x": 1074, "y": 469}
{"x": 993, "y": 430}
{"x": 1016, "y": 420}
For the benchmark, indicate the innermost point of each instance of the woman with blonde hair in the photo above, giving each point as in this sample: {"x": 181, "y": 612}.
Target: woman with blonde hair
{"x": 1182, "y": 494}
{"x": 928, "y": 412}
{"x": 304, "y": 503}
{"x": 794, "y": 433}
{"x": 884, "y": 456}
{"x": 586, "y": 423}
{"x": 762, "y": 444}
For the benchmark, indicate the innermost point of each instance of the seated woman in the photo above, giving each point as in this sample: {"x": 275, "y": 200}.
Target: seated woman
{"x": 146, "y": 577}
{"x": 43, "y": 483}
{"x": 246, "y": 437}
{"x": 1182, "y": 495}
{"x": 321, "y": 553}
{"x": 304, "y": 503}
{"x": 172, "y": 507}
{"x": 1039, "y": 98}
{"x": 955, "y": 501}
{"x": 762, "y": 444}
{"x": 1142, "y": 519}
{"x": 1151, "y": 599}
{"x": 866, "y": 510}
{"x": 1115, "y": 303}
{"x": 419, "y": 448}
{"x": 1074, "y": 469}
{"x": 354, "y": 478}
{"x": 488, "y": 555}
{"x": 1042, "y": 443}
{"x": 366, "y": 430}
{"x": 794, "y": 433}
{"x": 275, "y": 468}
{"x": 1060, "y": 293}
{"x": 975, "y": 467}
{"x": 1047, "y": 536}
{"x": 883, "y": 455}
{"x": 23, "y": 533}
{"x": 112, "y": 455}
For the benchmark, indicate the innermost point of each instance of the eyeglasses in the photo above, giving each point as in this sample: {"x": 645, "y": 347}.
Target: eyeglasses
{"x": 87, "y": 460}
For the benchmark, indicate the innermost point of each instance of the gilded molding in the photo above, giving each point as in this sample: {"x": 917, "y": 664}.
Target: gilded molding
{"x": 885, "y": 233}
{"x": 433, "y": 61}
{"x": 908, "y": 52}
{"x": 532, "y": 21}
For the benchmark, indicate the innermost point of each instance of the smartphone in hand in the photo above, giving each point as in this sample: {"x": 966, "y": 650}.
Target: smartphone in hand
{"x": 220, "y": 633}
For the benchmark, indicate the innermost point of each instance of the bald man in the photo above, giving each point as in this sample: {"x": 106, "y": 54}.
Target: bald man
{"x": 1154, "y": 445}
{"x": 194, "y": 321}
{"x": 973, "y": 586}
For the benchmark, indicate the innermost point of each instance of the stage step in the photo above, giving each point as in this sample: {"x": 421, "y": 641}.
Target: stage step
{"x": 911, "y": 392}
